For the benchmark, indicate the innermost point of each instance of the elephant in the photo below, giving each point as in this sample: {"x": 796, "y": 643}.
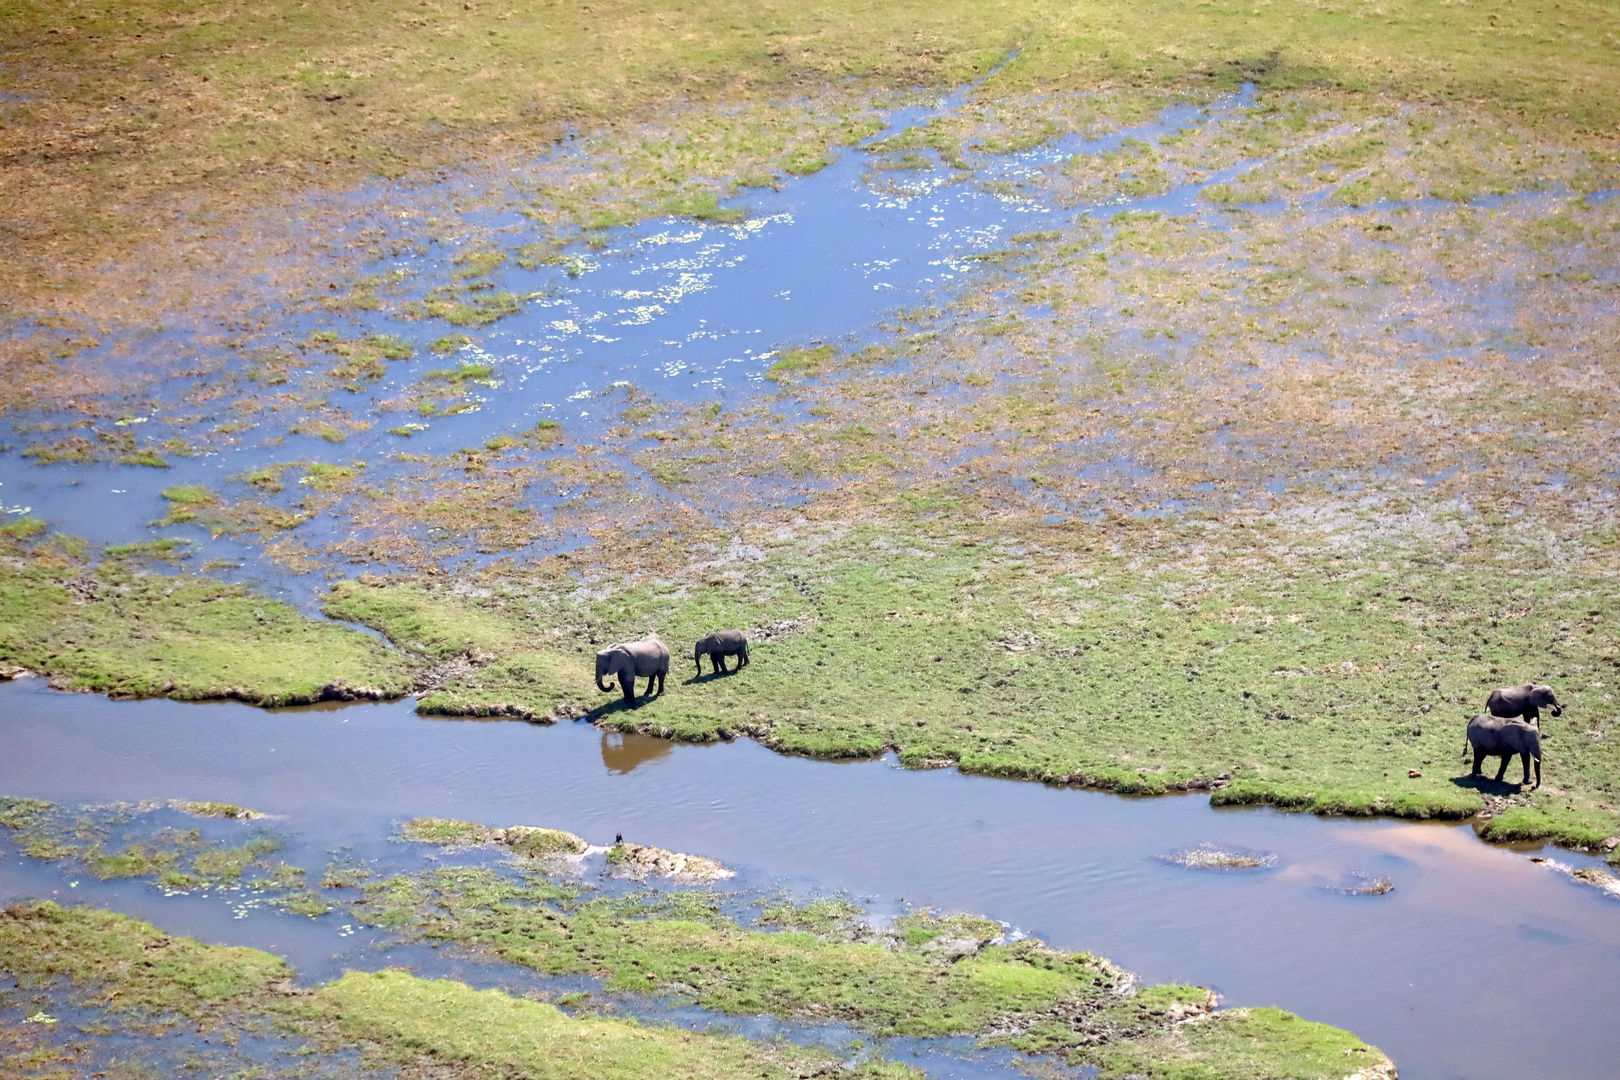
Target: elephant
{"x": 1526, "y": 701}
{"x": 630, "y": 660}
{"x": 1498, "y": 736}
{"x": 719, "y": 645}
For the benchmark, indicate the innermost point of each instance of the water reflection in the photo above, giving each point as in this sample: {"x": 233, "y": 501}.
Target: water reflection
{"x": 622, "y": 753}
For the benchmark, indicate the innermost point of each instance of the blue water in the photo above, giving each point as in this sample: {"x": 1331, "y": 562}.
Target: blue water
{"x": 1470, "y": 934}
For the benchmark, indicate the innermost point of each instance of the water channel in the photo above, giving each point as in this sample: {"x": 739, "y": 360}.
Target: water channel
{"x": 1479, "y": 964}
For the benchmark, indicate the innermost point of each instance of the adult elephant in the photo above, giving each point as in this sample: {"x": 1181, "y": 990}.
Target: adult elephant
{"x": 1526, "y": 701}
{"x": 1503, "y": 737}
{"x": 631, "y": 660}
{"x": 719, "y": 645}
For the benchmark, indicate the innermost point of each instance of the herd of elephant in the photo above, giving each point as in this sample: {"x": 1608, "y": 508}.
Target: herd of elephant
{"x": 649, "y": 659}
{"x": 1510, "y": 725}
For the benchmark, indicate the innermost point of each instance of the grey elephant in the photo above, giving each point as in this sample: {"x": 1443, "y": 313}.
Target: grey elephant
{"x": 719, "y": 645}
{"x": 1526, "y": 701}
{"x": 631, "y": 660}
{"x": 1501, "y": 736}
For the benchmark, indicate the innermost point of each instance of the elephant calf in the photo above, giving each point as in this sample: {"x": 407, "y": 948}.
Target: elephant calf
{"x": 719, "y": 645}
{"x": 1498, "y": 736}
{"x": 631, "y": 660}
{"x": 1526, "y": 701}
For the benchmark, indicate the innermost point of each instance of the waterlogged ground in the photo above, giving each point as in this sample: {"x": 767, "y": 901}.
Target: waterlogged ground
{"x": 1223, "y": 438}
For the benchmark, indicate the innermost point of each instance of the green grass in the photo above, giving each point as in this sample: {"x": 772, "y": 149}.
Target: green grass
{"x": 1316, "y": 690}
{"x": 1244, "y": 1043}
{"x": 285, "y": 89}
{"x": 128, "y": 971}
{"x": 925, "y": 975}
{"x": 451, "y": 1024}
{"x": 1558, "y": 824}
{"x": 113, "y": 628}
{"x": 142, "y": 970}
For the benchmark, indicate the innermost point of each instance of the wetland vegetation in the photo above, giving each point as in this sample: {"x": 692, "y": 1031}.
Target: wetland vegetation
{"x": 920, "y": 975}
{"x": 1259, "y": 428}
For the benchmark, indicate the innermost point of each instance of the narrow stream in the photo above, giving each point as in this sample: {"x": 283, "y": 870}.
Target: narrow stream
{"x": 1479, "y": 964}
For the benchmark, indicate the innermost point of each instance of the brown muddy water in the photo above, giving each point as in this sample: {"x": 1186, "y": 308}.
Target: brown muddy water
{"x": 1478, "y": 964}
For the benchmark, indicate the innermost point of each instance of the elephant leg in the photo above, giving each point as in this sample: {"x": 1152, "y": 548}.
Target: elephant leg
{"x": 627, "y": 683}
{"x": 1503, "y": 770}
{"x": 1479, "y": 759}
{"x": 743, "y": 659}
{"x": 720, "y": 663}
{"x": 1524, "y": 759}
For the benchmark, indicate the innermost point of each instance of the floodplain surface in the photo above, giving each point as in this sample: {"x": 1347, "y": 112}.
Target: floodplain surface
{"x": 1191, "y": 398}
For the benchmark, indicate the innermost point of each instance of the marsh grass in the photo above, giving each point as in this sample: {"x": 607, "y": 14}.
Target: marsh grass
{"x": 115, "y": 628}
{"x": 923, "y": 974}
{"x": 141, "y": 979}
{"x": 1318, "y": 690}
{"x": 157, "y": 105}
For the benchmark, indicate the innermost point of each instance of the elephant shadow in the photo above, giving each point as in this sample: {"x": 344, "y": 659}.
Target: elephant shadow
{"x": 699, "y": 680}
{"x": 617, "y": 705}
{"x": 1487, "y": 786}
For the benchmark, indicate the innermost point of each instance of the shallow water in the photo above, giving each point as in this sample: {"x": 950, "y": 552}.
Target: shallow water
{"x": 1472, "y": 935}
{"x": 690, "y": 310}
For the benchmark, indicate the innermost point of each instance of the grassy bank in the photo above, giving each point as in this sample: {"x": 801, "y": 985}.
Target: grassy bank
{"x": 124, "y": 119}
{"x": 137, "y": 976}
{"x": 117, "y": 626}
{"x": 1306, "y": 680}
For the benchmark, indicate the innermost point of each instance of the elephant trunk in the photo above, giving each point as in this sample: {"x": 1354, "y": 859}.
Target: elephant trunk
{"x": 1538, "y": 772}
{"x": 602, "y": 686}
{"x": 1557, "y": 710}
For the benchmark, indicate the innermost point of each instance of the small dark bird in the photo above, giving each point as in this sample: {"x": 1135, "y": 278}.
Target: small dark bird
{"x": 618, "y": 838}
